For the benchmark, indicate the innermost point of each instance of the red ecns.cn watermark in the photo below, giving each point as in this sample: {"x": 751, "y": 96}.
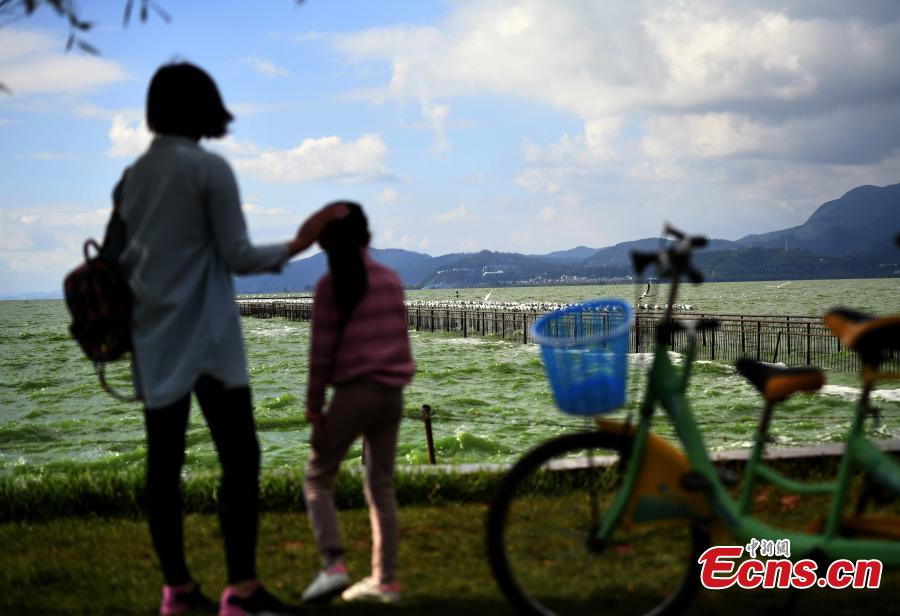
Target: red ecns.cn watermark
{"x": 723, "y": 568}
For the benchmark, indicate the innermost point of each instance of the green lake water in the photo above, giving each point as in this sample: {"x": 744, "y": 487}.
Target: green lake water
{"x": 490, "y": 398}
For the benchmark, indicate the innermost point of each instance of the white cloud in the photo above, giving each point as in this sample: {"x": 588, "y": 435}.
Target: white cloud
{"x": 324, "y": 158}
{"x": 461, "y": 212}
{"x": 128, "y": 136}
{"x": 93, "y": 111}
{"x": 33, "y": 61}
{"x": 48, "y": 156}
{"x": 594, "y": 146}
{"x": 264, "y": 67}
{"x": 389, "y": 238}
{"x": 707, "y": 79}
{"x": 436, "y": 116}
{"x": 390, "y": 196}
{"x": 40, "y": 243}
{"x": 711, "y": 135}
{"x": 313, "y": 159}
{"x": 54, "y": 217}
{"x": 307, "y": 37}
{"x": 229, "y": 146}
{"x": 540, "y": 180}
{"x": 862, "y": 135}
{"x": 251, "y": 208}
{"x": 248, "y": 108}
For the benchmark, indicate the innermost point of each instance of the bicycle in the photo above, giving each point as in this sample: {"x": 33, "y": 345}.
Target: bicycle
{"x": 646, "y": 506}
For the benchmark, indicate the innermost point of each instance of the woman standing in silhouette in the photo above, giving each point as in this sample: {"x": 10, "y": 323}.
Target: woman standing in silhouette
{"x": 186, "y": 236}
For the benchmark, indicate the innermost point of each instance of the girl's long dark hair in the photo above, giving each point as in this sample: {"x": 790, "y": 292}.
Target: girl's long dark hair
{"x": 343, "y": 240}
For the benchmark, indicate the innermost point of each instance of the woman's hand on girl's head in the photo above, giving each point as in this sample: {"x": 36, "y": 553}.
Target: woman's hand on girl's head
{"x": 312, "y": 227}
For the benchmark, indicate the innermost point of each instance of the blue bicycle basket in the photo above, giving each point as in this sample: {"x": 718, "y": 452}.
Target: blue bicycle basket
{"x": 584, "y": 348}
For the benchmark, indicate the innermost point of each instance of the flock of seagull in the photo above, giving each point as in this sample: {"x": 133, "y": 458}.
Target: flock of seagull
{"x": 500, "y": 306}
{"x": 480, "y": 305}
{"x": 508, "y": 306}
{"x": 533, "y": 306}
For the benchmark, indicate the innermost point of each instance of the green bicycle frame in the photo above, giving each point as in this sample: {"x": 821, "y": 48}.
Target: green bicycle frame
{"x": 666, "y": 388}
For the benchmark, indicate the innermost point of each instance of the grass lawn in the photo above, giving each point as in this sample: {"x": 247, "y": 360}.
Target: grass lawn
{"x": 107, "y": 566}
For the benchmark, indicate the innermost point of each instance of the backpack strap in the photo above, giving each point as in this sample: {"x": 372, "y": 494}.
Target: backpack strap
{"x": 100, "y": 367}
{"x": 113, "y": 244}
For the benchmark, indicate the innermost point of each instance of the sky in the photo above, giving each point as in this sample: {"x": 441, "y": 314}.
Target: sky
{"x": 511, "y": 125}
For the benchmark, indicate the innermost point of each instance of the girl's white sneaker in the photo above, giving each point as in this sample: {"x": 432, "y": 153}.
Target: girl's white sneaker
{"x": 371, "y": 591}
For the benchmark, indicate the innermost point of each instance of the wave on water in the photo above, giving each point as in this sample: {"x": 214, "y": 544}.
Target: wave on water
{"x": 26, "y": 433}
{"x": 275, "y": 332}
{"x": 34, "y": 384}
{"x": 467, "y": 341}
{"x": 279, "y": 402}
{"x": 462, "y": 446}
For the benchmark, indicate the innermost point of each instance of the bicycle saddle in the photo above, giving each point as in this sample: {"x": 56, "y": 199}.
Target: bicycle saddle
{"x": 867, "y": 335}
{"x": 776, "y": 383}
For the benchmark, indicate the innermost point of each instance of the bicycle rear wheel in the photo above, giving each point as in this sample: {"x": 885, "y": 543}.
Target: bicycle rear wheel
{"x": 541, "y": 537}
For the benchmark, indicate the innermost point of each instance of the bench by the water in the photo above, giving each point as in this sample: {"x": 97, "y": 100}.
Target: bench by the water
{"x": 792, "y": 340}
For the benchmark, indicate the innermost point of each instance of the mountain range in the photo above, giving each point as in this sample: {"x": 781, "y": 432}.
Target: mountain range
{"x": 850, "y": 237}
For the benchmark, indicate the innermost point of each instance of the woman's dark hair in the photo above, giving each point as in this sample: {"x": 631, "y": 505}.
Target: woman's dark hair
{"x": 342, "y": 240}
{"x": 184, "y": 100}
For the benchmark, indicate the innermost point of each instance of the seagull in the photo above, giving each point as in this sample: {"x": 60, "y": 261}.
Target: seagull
{"x": 645, "y": 293}
{"x": 488, "y": 296}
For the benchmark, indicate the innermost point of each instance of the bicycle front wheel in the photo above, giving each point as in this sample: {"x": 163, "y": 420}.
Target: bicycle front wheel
{"x": 542, "y": 528}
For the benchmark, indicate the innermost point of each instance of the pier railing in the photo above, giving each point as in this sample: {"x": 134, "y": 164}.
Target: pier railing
{"x": 792, "y": 340}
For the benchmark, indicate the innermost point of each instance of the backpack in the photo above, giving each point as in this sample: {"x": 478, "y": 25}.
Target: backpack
{"x": 99, "y": 299}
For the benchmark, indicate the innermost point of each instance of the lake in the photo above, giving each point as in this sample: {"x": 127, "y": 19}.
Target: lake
{"x": 490, "y": 398}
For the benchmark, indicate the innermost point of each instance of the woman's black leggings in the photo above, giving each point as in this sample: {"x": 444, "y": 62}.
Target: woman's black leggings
{"x": 229, "y": 415}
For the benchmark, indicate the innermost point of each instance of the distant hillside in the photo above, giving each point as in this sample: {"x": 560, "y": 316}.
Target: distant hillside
{"x": 578, "y": 253}
{"x": 850, "y": 237}
{"x": 775, "y": 264}
{"x": 495, "y": 269}
{"x": 620, "y": 254}
{"x": 862, "y": 224}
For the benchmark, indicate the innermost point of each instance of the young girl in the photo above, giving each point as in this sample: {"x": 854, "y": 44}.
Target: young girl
{"x": 361, "y": 347}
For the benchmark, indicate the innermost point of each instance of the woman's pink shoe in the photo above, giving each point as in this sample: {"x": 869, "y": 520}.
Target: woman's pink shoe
{"x": 175, "y": 601}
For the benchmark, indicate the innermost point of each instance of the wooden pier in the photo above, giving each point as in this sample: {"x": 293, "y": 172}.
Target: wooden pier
{"x": 792, "y": 340}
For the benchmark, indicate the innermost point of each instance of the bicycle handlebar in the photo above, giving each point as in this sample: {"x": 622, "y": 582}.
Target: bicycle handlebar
{"x": 674, "y": 260}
